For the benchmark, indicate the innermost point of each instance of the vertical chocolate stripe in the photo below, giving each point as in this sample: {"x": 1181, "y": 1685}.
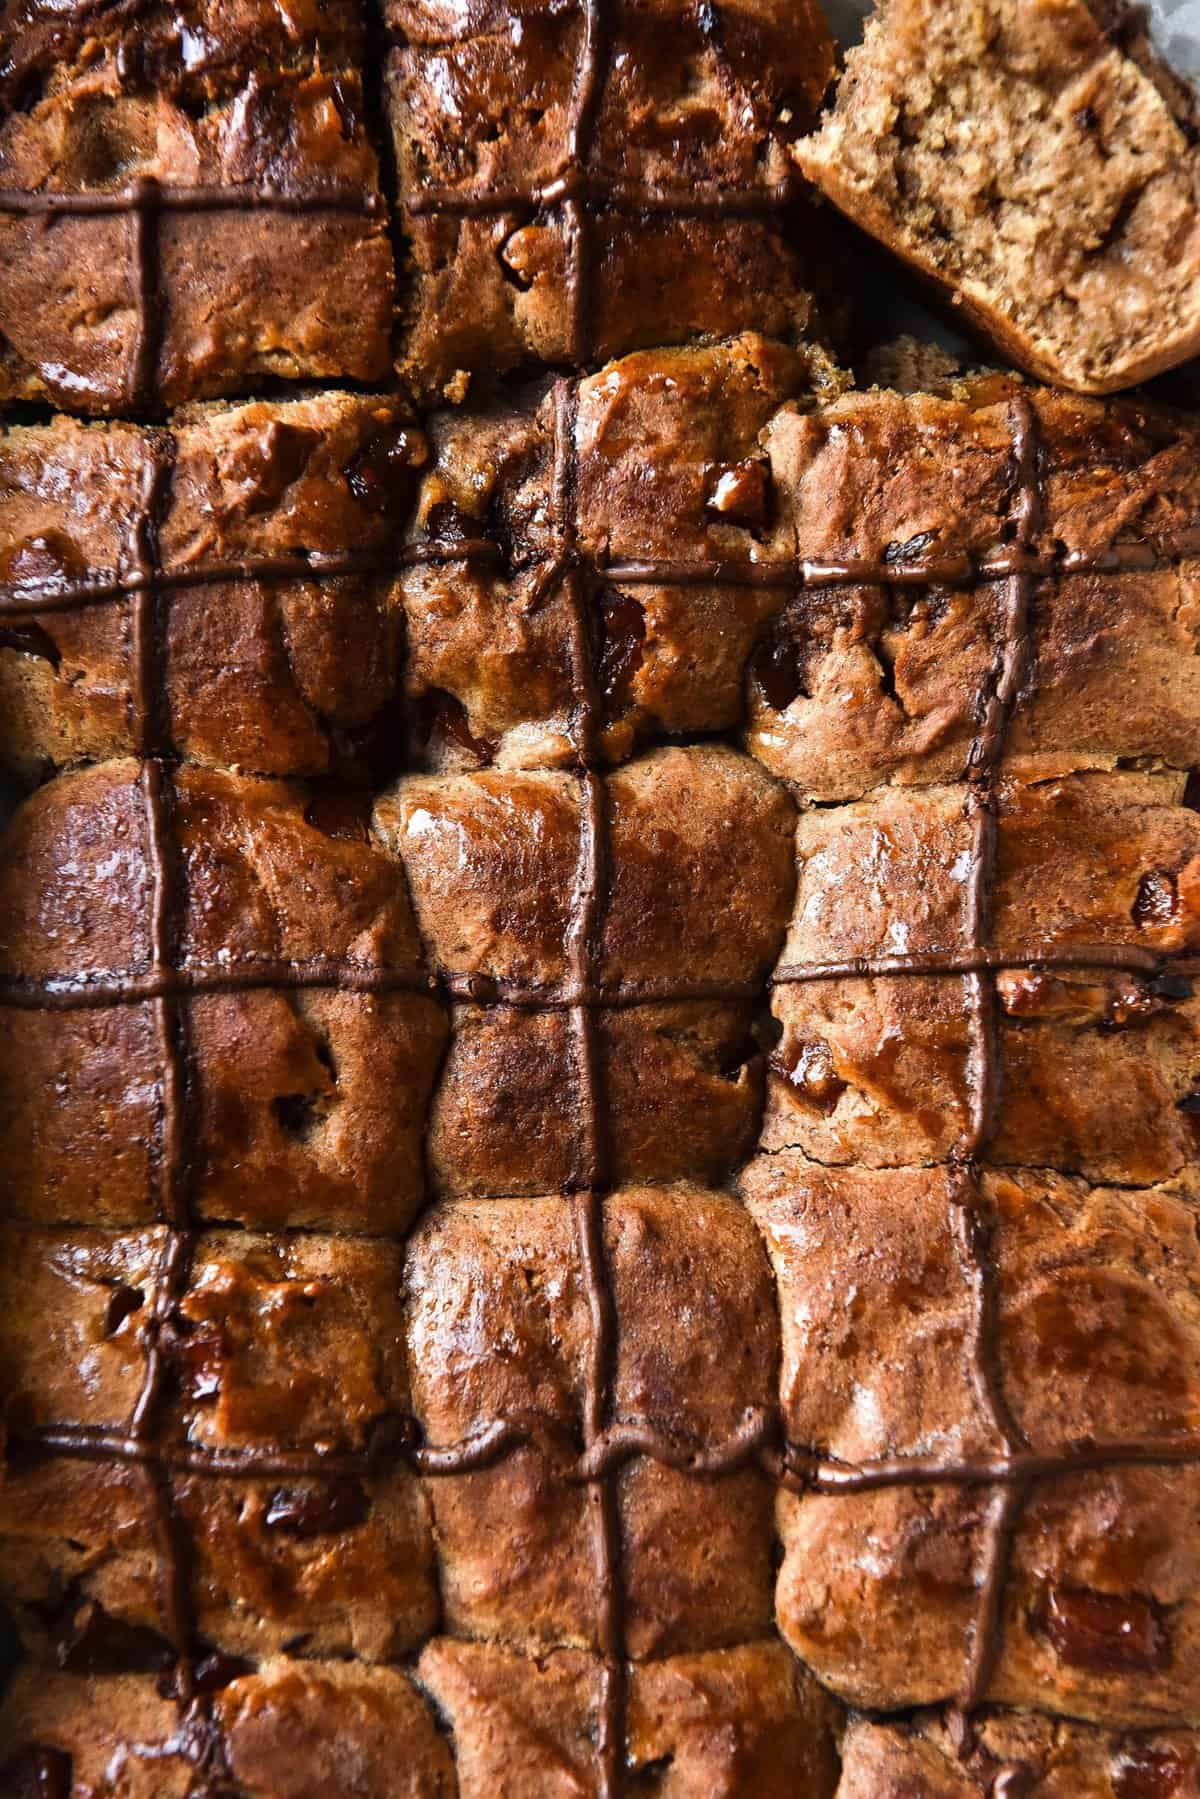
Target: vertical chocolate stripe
{"x": 145, "y": 221}
{"x": 971, "y": 1221}
{"x": 169, "y": 1008}
{"x": 588, "y": 907}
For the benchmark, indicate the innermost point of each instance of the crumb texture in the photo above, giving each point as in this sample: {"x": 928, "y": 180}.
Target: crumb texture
{"x": 1033, "y": 158}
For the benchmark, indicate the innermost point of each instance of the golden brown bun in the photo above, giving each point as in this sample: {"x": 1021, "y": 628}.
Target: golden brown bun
{"x": 682, "y": 919}
{"x": 309, "y": 1104}
{"x": 480, "y": 105}
{"x": 1047, "y": 1758}
{"x": 234, "y": 101}
{"x": 401, "y": 1383}
{"x": 739, "y": 1722}
{"x": 293, "y": 1730}
{"x": 1096, "y": 1305}
{"x": 292, "y": 675}
{"x": 696, "y": 1551}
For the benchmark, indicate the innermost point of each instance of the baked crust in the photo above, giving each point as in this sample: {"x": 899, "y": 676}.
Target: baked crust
{"x": 695, "y": 1551}
{"x": 192, "y": 204}
{"x": 675, "y": 1019}
{"x": 270, "y": 660}
{"x": 401, "y": 1392}
{"x": 1053, "y": 1758}
{"x": 293, "y": 1730}
{"x": 309, "y": 1103}
{"x": 730, "y": 460}
{"x": 879, "y": 680}
{"x": 690, "y": 226}
{"x": 1094, "y": 1299}
{"x": 730, "y": 1722}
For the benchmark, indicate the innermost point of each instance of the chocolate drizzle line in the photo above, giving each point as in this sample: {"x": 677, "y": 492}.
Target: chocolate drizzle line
{"x": 586, "y": 95}
{"x": 597, "y": 188}
{"x": 151, "y": 733}
{"x": 970, "y": 1213}
{"x": 589, "y": 899}
{"x": 147, "y": 194}
{"x": 55, "y": 595}
{"x": 147, "y": 261}
{"x": 757, "y": 1441}
{"x": 588, "y": 1216}
{"x": 173, "y": 1265}
{"x": 59, "y": 596}
{"x": 99, "y": 988}
{"x": 1117, "y": 958}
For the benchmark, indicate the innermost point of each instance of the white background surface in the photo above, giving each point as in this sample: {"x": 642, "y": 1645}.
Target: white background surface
{"x": 1177, "y": 28}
